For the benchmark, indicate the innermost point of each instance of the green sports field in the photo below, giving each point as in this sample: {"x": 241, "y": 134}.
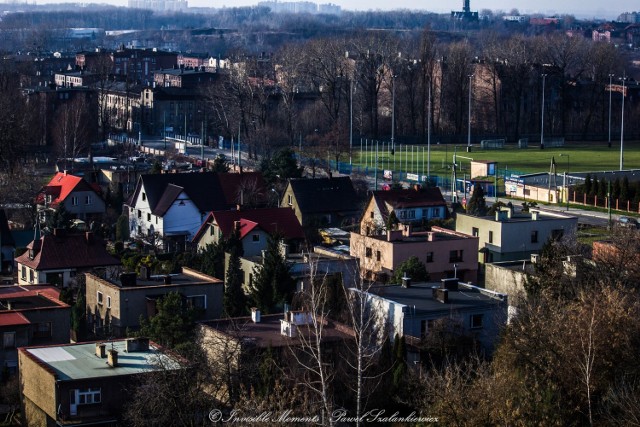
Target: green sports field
{"x": 577, "y": 157}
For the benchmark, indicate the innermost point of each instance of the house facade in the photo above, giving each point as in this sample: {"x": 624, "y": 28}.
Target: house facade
{"x": 444, "y": 252}
{"x": 31, "y": 315}
{"x": 414, "y": 205}
{"x": 508, "y": 236}
{"x": 77, "y": 196}
{"x": 85, "y": 383}
{"x": 115, "y": 305}
{"x": 413, "y": 311}
{"x": 322, "y": 201}
{"x": 59, "y": 257}
{"x": 254, "y": 226}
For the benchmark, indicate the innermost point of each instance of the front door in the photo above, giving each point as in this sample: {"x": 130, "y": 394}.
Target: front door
{"x": 73, "y": 403}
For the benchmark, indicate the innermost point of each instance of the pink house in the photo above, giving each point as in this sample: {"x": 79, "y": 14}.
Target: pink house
{"x": 444, "y": 252}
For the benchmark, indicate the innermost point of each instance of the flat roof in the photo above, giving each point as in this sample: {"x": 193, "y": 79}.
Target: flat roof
{"x": 420, "y": 297}
{"x": 79, "y": 361}
{"x": 186, "y": 278}
{"x": 267, "y": 332}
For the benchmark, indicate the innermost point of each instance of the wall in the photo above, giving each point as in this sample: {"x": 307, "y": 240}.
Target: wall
{"x": 505, "y": 280}
{"x": 38, "y": 385}
{"x": 81, "y": 210}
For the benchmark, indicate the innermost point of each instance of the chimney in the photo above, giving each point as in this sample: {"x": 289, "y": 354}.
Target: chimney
{"x": 406, "y": 281}
{"x": 535, "y": 258}
{"x": 236, "y": 226}
{"x": 167, "y": 279}
{"x": 255, "y": 315}
{"x": 535, "y": 215}
{"x": 407, "y": 230}
{"x": 441, "y": 295}
{"x": 112, "y": 358}
{"x": 145, "y": 272}
{"x": 101, "y": 350}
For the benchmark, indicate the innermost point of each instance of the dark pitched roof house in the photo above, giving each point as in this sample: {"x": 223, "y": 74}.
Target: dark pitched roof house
{"x": 62, "y": 250}
{"x": 208, "y": 191}
{"x": 408, "y": 198}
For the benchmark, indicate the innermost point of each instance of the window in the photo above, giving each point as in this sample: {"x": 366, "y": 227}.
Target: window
{"x": 24, "y": 272}
{"x": 378, "y": 255}
{"x": 99, "y": 297}
{"x": 290, "y": 200}
{"x": 371, "y": 214}
{"x": 368, "y": 252}
{"x": 491, "y": 237}
{"x": 425, "y": 213}
{"x": 74, "y": 201}
{"x": 475, "y": 232}
{"x": 200, "y": 301}
{"x": 212, "y": 230}
{"x": 31, "y": 276}
{"x": 476, "y": 321}
{"x": 88, "y": 200}
{"x": 108, "y": 302}
{"x": 43, "y": 330}
{"x": 411, "y": 214}
{"x": 149, "y": 217}
{"x": 89, "y": 396}
{"x": 255, "y": 238}
{"x": 455, "y": 256}
{"x": 429, "y": 257}
{"x": 139, "y": 213}
{"x": 534, "y": 236}
{"x": 144, "y": 195}
{"x": 9, "y": 339}
{"x": 403, "y": 214}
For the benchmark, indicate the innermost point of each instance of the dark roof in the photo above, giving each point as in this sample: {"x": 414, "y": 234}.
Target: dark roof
{"x": 419, "y": 297}
{"x": 6, "y": 239}
{"x": 208, "y": 191}
{"x": 409, "y": 198}
{"x": 324, "y": 194}
{"x": 271, "y": 220}
{"x": 63, "y": 250}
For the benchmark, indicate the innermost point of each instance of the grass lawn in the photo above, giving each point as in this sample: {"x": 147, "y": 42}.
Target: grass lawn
{"x": 577, "y": 157}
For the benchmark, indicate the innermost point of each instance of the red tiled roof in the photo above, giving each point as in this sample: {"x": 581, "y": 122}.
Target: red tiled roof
{"x": 15, "y": 291}
{"x": 271, "y": 220}
{"x": 10, "y": 318}
{"x": 67, "y": 251}
{"x": 61, "y": 186}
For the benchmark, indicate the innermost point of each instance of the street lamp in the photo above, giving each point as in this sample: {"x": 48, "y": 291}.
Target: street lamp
{"x": 469, "y": 126}
{"x": 623, "y": 78}
{"x": 610, "y": 83}
{"x": 565, "y": 178}
{"x": 544, "y": 76}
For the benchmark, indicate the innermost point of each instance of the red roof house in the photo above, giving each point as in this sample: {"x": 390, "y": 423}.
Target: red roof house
{"x": 79, "y": 198}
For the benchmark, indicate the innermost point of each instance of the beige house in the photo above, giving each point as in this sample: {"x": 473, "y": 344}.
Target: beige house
{"x": 444, "y": 252}
{"x": 115, "y": 305}
{"x": 509, "y": 236}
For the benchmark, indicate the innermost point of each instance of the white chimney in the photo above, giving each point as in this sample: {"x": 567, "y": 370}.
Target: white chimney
{"x": 255, "y": 315}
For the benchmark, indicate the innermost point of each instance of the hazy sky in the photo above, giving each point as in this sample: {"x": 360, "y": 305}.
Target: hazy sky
{"x": 579, "y": 8}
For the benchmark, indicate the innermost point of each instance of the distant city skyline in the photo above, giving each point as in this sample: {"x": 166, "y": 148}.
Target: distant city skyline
{"x": 578, "y": 8}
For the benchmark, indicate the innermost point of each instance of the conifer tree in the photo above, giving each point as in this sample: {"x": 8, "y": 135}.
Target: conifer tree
{"x": 234, "y": 299}
{"x": 477, "y": 205}
{"x": 272, "y": 283}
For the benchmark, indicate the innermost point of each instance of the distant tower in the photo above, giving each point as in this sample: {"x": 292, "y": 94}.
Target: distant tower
{"x": 466, "y": 8}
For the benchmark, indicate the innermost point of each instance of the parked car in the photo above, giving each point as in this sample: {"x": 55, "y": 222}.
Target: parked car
{"x": 626, "y": 221}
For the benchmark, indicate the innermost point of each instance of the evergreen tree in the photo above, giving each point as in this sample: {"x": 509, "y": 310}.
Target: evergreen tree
{"x": 624, "y": 189}
{"x": 615, "y": 189}
{"x": 414, "y": 268}
{"x": 588, "y": 186}
{"x": 400, "y": 364}
{"x": 122, "y": 228}
{"x": 602, "y": 188}
{"x": 61, "y": 218}
{"x": 477, "y": 204}
{"x": 392, "y": 221}
{"x": 234, "y": 300}
{"x": 272, "y": 283}
{"x": 212, "y": 259}
{"x": 283, "y": 165}
{"x": 173, "y": 326}
{"x": 220, "y": 164}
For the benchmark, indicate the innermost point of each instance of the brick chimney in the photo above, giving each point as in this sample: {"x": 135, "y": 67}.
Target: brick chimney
{"x": 112, "y": 358}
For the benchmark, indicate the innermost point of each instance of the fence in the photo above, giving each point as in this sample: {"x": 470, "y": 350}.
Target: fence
{"x": 603, "y": 202}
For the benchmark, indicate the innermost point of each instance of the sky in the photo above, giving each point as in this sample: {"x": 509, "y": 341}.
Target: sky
{"x": 578, "y": 8}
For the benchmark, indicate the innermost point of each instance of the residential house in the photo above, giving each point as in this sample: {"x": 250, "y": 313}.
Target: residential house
{"x": 79, "y": 198}
{"x": 175, "y": 205}
{"x": 75, "y": 78}
{"x": 322, "y": 201}
{"x": 321, "y": 263}
{"x": 254, "y": 227}
{"x": 236, "y": 345}
{"x": 117, "y": 304}
{"x": 444, "y": 252}
{"x": 414, "y": 310}
{"x": 7, "y": 245}
{"x": 86, "y": 383}
{"x": 184, "y": 77}
{"x": 508, "y": 236}
{"x": 193, "y": 60}
{"x": 412, "y": 205}
{"x": 32, "y": 315}
{"x": 58, "y": 257}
